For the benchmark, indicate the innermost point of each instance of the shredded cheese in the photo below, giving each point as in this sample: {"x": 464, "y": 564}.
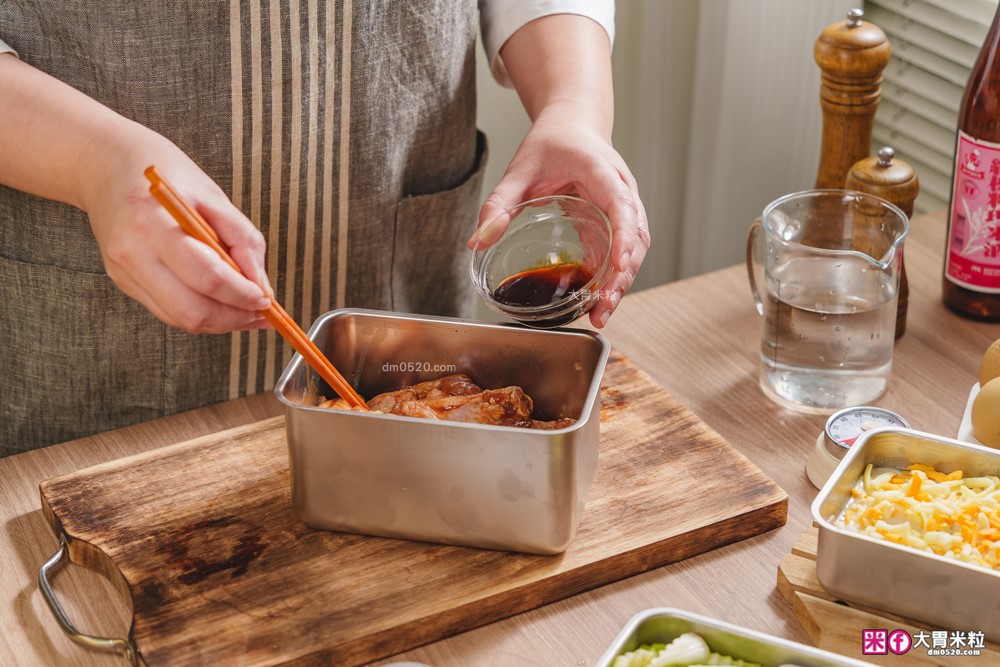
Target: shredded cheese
{"x": 946, "y": 514}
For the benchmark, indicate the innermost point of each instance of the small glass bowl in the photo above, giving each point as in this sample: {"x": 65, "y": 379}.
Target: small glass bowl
{"x": 558, "y": 247}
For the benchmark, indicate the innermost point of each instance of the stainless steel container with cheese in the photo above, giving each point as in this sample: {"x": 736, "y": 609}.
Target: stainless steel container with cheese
{"x": 456, "y": 483}
{"x": 663, "y": 625}
{"x": 917, "y": 584}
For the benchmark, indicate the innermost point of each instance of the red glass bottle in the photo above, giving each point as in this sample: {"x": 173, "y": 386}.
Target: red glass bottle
{"x": 971, "y": 284}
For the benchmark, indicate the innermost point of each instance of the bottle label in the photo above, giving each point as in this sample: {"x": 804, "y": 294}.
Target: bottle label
{"x": 973, "y": 256}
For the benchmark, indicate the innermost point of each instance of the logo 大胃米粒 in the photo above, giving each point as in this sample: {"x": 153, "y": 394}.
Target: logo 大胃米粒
{"x": 882, "y": 641}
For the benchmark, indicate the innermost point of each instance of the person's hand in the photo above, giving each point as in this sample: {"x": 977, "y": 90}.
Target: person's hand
{"x": 60, "y": 144}
{"x": 562, "y": 154}
{"x": 180, "y": 280}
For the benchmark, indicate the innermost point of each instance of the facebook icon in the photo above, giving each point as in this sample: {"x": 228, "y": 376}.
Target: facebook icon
{"x": 900, "y": 641}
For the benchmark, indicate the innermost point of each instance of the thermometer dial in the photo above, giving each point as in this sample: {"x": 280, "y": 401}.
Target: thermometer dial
{"x": 843, "y": 428}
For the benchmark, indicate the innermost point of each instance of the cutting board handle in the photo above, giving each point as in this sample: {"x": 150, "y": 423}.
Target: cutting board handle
{"x": 123, "y": 647}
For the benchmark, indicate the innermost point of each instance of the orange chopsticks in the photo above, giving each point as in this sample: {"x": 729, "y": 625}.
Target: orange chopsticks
{"x": 191, "y": 222}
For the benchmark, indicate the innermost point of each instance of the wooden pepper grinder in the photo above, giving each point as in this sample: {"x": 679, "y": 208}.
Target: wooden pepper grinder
{"x": 896, "y": 182}
{"x": 851, "y": 56}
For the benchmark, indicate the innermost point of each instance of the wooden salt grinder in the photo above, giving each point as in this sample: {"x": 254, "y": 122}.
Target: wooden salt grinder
{"x": 896, "y": 182}
{"x": 851, "y": 55}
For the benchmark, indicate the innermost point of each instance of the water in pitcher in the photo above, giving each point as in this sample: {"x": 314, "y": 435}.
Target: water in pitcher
{"x": 828, "y": 332}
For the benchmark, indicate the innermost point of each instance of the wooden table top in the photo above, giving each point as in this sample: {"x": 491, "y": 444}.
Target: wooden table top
{"x": 697, "y": 337}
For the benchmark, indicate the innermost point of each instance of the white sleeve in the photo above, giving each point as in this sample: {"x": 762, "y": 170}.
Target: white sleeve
{"x": 4, "y": 48}
{"x": 499, "y": 19}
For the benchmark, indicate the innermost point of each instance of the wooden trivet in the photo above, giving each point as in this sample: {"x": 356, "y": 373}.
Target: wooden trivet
{"x": 835, "y": 625}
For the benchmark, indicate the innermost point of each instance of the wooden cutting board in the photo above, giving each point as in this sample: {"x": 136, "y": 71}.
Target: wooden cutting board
{"x": 202, "y": 537}
{"x": 836, "y": 625}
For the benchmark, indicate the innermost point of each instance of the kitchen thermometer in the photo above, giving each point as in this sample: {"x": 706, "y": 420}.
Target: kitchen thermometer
{"x": 842, "y": 430}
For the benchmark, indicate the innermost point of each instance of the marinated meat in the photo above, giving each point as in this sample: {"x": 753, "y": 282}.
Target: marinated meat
{"x": 459, "y": 384}
{"x": 457, "y": 398}
{"x": 508, "y": 406}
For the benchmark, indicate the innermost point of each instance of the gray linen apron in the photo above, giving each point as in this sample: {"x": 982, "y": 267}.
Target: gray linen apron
{"x": 344, "y": 130}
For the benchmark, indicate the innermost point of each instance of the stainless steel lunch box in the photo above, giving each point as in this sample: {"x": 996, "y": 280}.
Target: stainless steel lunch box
{"x": 880, "y": 574}
{"x": 664, "y": 625}
{"x": 466, "y": 484}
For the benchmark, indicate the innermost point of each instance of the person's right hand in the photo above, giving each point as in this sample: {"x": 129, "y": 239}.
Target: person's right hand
{"x": 180, "y": 280}
{"x": 57, "y": 143}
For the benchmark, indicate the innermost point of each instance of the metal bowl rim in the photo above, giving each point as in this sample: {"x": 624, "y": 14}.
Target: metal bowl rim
{"x": 756, "y": 635}
{"x": 856, "y": 452}
{"x": 593, "y": 392}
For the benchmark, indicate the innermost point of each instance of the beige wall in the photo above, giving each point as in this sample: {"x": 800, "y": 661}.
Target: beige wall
{"x": 716, "y": 113}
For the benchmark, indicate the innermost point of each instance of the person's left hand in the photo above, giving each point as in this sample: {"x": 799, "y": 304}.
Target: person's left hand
{"x": 564, "y": 155}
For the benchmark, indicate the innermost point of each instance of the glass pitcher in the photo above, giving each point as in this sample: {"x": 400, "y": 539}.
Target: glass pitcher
{"x": 825, "y": 278}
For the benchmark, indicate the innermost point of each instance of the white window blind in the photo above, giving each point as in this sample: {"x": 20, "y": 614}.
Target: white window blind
{"x": 934, "y": 45}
